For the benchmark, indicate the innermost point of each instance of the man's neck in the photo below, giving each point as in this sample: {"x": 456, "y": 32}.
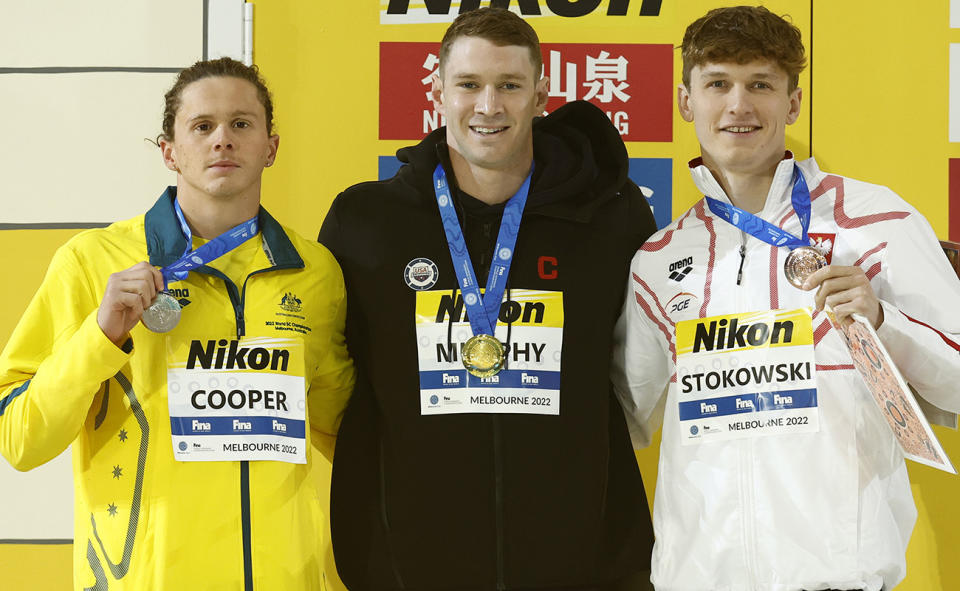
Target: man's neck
{"x": 492, "y": 186}
{"x": 748, "y": 192}
{"x": 746, "y": 189}
{"x": 209, "y": 217}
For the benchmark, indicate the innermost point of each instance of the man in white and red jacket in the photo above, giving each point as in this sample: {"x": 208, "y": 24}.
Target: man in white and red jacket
{"x": 778, "y": 470}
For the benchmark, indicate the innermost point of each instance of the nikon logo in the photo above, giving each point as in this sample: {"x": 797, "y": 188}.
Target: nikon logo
{"x": 509, "y": 311}
{"x": 723, "y": 335}
{"x": 568, "y": 8}
{"x": 230, "y": 355}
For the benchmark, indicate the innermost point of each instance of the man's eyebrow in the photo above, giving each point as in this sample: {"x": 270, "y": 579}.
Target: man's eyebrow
{"x": 504, "y": 76}
{"x": 233, "y": 114}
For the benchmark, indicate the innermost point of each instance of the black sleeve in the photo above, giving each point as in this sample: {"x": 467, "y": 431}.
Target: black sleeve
{"x": 641, "y": 216}
{"x": 330, "y": 230}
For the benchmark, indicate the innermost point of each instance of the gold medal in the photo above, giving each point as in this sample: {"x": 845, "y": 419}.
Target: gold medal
{"x": 801, "y": 263}
{"x": 483, "y": 355}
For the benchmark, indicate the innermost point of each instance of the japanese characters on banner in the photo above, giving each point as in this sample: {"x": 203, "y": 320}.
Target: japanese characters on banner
{"x": 631, "y": 83}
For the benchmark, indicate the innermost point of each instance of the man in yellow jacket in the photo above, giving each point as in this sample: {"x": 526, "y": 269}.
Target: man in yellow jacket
{"x": 191, "y": 356}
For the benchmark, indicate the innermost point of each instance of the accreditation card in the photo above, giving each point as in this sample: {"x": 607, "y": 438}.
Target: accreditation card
{"x": 237, "y": 399}
{"x": 746, "y": 375}
{"x": 529, "y": 324}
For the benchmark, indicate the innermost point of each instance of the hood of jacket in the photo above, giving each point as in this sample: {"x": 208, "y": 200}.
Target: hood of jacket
{"x": 580, "y": 162}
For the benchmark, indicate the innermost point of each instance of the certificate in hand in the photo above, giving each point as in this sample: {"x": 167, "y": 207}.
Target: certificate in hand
{"x": 892, "y": 395}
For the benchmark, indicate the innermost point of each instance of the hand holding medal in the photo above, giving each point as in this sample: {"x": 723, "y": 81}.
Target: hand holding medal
{"x": 139, "y": 293}
{"x": 127, "y": 295}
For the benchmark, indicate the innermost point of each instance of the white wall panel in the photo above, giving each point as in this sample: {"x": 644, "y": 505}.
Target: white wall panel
{"x": 37, "y": 504}
{"x": 104, "y": 33}
{"x": 74, "y": 149}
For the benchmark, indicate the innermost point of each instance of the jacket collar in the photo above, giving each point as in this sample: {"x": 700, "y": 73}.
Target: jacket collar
{"x": 166, "y": 242}
{"x": 779, "y": 188}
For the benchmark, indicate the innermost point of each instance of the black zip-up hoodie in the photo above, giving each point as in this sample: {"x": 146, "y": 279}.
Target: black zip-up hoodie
{"x": 490, "y": 501}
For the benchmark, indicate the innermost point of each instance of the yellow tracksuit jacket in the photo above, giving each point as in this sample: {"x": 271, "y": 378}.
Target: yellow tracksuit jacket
{"x": 144, "y": 521}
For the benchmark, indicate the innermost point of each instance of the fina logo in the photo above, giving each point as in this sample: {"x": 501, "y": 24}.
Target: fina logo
{"x": 421, "y": 274}
{"x": 443, "y": 201}
{"x": 694, "y": 430}
{"x": 183, "y": 446}
{"x": 434, "y": 400}
{"x": 197, "y": 260}
{"x": 505, "y": 253}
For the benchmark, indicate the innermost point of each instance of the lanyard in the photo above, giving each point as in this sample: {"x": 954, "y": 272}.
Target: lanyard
{"x": 482, "y": 310}
{"x": 209, "y": 252}
{"x": 761, "y": 228}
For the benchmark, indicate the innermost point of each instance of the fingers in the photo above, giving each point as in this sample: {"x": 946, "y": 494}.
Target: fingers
{"x": 136, "y": 288}
{"x": 847, "y": 291}
{"x": 127, "y": 295}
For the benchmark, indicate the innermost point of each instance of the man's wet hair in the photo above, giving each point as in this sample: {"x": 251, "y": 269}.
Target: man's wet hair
{"x": 224, "y": 67}
{"x": 498, "y": 26}
{"x": 742, "y": 34}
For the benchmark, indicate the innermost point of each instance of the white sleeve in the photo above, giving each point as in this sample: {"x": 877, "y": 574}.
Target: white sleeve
{"x": 641, "y": 368}
{"x": 920, "y": 296}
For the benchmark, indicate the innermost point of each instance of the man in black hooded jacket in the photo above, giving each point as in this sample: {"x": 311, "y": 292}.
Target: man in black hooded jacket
{"x": 505, "y": 463}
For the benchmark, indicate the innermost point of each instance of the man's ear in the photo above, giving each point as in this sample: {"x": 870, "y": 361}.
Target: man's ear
{"x": 683, "y": 103}
{"x": 436, "y": 93}
{"x": 272, "y": 151}
{"x": 168, "y": 154}
{"x": 796, "y": 98}
{"x": 543, "y": 95}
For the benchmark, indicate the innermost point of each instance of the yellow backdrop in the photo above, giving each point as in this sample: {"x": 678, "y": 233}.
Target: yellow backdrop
{"x": 875, "y": 108}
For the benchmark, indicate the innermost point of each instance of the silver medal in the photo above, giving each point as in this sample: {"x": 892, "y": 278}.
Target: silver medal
{"x": 163, "y": 314}
{"x": 801, "y": 263}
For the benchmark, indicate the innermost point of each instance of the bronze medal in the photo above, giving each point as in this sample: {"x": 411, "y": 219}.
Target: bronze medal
{"x": 483, "y": 355}
{"x": 801, "y": 263}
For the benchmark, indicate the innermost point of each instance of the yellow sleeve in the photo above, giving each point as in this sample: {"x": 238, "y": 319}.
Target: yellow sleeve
{"x": 332, "y": 384}
{"x": 53, "y": 365}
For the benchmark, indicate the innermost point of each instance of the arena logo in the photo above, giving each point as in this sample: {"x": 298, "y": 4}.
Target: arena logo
{"x": 631, "y": 83}
{"x": 565, "y": 8}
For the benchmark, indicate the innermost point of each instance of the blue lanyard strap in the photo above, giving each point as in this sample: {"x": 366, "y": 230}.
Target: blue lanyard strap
{"x": 761, "y": 228}
{"x": 482, "y": 310}
{"x": 209, "y": 252}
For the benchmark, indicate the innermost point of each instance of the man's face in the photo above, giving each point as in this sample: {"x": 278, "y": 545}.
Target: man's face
{"x": 220, "y": 143}
{"x": 740, "y": 113}
{"x": 489, "y": 96}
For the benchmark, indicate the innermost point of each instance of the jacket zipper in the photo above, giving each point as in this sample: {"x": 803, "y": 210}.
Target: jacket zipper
{"x": 746, "y": 458}
{"x": 237, "y": 300}
{"x": 743, "y": 255}
{"x": 245, "y": 529}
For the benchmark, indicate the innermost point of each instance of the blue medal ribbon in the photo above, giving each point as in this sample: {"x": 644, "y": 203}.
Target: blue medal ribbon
{"x": 761, "y": 228}
{"x": 209, "y": 252}
{"x": 482, "y": 310}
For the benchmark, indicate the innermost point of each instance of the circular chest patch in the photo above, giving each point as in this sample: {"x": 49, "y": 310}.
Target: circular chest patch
{"x": 421, "y": 274}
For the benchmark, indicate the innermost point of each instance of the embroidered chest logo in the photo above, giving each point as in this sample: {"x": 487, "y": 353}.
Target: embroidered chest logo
{"x": 421, "y": 274}
{"x": 679, "y": 269}
{"x": 291, "y": 303}
{"x": 291, "y": 317}
{"x": 824, "y": 243}
{"x": 181, "y": 294}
